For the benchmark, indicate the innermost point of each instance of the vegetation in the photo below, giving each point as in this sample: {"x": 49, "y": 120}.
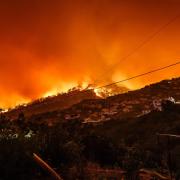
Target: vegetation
{"x": 130, "y": 144}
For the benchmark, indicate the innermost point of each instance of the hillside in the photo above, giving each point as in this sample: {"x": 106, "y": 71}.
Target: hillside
{"x": 131, "y": 104}
{"x": 127, "y": 105}
{"x": 88, "y": 108}
{"x": 142, "y": 130}
{"x": 62, "y": 101}
{"x": 52, "y": 103}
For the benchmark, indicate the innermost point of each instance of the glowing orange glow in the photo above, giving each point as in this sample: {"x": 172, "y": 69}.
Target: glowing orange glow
{"x": 51, "y": 46}
{"x": 64, "y": 88}
{"x": 98, "y": 93}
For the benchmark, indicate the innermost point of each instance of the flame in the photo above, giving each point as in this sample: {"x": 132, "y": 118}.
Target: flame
{"x": 52, "y": 92}
{"x": 65, "y": 87}
{"x": 14, "y": 101}
{"x": 61, "y": 89}
{"x": 98, "y": 93}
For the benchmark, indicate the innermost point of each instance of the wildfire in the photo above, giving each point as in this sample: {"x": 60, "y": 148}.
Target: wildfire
{"x": 110, "y": 91}
{"x": 61, "y": 89}
{"x": 65, "y": 87}
{"x": 98, "y": 93}
{"x": 66, "y": 44}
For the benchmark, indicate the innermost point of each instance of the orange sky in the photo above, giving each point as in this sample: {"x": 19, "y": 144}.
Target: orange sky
{"x": 52, "y": 45}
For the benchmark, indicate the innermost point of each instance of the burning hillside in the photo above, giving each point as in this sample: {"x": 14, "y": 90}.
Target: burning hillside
{"x": 86, "y": 106}
{"x": 63, "y": 100}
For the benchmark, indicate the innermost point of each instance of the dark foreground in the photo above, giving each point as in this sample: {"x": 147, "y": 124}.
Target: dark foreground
{"x": 77, "y": 150}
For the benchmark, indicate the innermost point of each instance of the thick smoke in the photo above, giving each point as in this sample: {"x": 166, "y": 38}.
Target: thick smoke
{"x": 51, "y": 44}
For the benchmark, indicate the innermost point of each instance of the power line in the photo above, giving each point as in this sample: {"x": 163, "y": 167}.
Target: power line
{"x": 169, "y": 135}
{"x": 139, "y": 75}
{"x": 149, "y": 38}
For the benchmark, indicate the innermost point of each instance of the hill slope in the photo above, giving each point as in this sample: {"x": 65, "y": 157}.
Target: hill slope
{"x": 52, "y": 103}
{"x": 87, "y": 107}
{"x": 129, "y": 105}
